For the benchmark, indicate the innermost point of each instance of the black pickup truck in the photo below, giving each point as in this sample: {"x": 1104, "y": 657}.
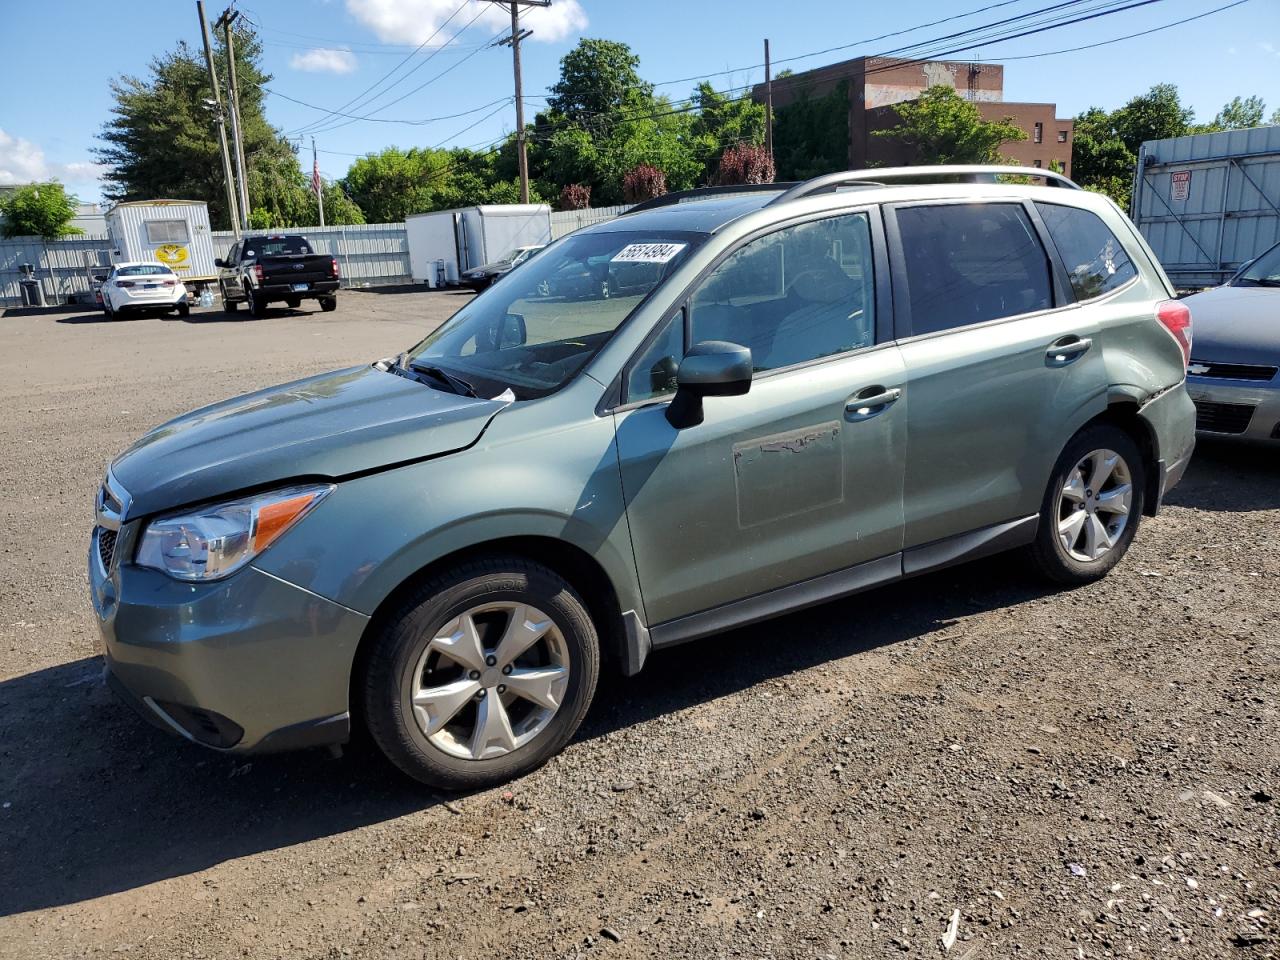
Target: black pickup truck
{"x": 273, "y": 269}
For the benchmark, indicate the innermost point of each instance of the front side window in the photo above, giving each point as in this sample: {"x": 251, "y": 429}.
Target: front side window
{"x": 533, "y": 332}
{"x": 799, "y": 294}
{"x": 969, "y": 263}
{"x": 1096, "y": 262}
{"x": 167, "y": 231}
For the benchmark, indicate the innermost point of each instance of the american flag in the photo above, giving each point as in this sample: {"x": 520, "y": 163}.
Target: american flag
{"x": 316, "y": 182}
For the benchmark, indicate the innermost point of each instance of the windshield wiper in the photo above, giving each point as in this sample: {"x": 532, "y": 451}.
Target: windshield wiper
{"x": 456, "y": 384}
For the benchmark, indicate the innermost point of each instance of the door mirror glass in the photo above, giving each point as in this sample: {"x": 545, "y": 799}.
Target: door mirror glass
{"x": 219, "y": 262}
{"x": 712, "y": 368}
{"x": 503, "y": 333}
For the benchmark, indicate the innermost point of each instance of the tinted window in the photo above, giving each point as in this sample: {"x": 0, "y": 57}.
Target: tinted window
{"x": 536, "y": 329}
{"x": 799, "y": 294}
{"x": 971, "y": 262}
{"x": 1096, "y": 262}
{"x": 276, "y": 246}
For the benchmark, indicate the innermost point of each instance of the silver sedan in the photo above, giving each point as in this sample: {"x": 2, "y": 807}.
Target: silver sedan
{"x": 1236, "y": 353}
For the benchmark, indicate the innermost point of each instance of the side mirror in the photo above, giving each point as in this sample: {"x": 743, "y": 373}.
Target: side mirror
{"x": 100, "y": 277}
{"x": 712, "y": 368}
{"x": 219, "y": 262}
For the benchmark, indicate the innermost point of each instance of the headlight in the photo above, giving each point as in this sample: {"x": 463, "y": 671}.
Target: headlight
{"x": 209, "y": 543}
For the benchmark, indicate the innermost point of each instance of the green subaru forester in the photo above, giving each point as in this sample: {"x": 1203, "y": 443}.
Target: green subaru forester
{"x": 717, "y": 408}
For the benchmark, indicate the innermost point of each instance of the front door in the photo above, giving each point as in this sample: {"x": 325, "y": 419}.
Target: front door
{"x": 799, "y": 477}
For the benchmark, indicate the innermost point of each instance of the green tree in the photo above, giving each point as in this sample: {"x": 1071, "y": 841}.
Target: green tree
{"x": 161, "y": 140}
{"x": 1240, "y": 114}
{"x": 722, "y": 122}
{"x": 38, "y": 210}
{"x": 940, "y": 126}
{"x": 597, "y": 77}
{"x": 395, "y": 183}
{"x": 1154, "y": 115}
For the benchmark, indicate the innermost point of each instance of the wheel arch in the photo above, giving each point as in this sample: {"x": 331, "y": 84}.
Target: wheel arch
{"x": 1124, "y": 412}
{"x": 582, "y": 572}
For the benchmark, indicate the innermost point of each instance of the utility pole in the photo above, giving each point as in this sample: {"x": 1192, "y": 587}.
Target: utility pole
{"x": 233, "y": 97}
{"x": 768, "y": 102}
{"x": 232, "y": 207}
{"x": 522, "y": 156}
{"x": 317, "y": 184}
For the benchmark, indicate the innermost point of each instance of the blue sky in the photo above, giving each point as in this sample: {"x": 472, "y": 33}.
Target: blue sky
{"x": 326, "y": 52}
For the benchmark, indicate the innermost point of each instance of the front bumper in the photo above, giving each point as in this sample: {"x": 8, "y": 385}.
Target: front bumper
{"x": 1236, "y": 409}
{"x": 249, "y": 663}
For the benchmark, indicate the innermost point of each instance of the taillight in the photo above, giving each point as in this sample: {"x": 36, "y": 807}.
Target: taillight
{"x": 333, "y": 266}
{"x": 124, "y": 283}
{"x": 170, "y": 283}
{"x": 1176, "y": 318}
{"x": 257, "y": 272}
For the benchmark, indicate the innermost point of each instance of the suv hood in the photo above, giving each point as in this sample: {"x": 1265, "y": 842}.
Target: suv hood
{"x": 331, "y": 425}
{"x": 1236, "y": 325}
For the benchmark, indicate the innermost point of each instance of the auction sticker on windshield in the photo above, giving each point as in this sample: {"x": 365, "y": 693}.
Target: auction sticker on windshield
{"x": 647, "y": 252}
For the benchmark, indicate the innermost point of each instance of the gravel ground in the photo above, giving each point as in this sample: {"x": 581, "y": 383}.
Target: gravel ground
{"x": 1092, "y": 773}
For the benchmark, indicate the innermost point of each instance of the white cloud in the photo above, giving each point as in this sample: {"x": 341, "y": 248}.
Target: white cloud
{"x": 1268, "y": 48}
{"x": 22, "y": 161}
{"x": 413, "y": 21}
{"x": 324, "y": 60}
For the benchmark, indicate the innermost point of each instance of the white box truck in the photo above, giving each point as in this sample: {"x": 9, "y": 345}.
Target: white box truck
{"x": 471, "y": 237}
{"x": 173, "y": 232}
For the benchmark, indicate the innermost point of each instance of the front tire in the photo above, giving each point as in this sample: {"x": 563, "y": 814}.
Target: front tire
{"x": 1091, "y": 511}
{"x": 482, "y": 674}
{"x": 228, "y": 305}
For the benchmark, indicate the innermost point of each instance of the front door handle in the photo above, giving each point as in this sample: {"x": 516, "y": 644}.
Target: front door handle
{"x": 870, "y": 402}
{"x": 1067, "y": 350}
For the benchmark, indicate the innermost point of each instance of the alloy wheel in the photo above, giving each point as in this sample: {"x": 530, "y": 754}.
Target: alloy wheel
{"x": 489, "y": 681}
{"x": 1093, "y": 508}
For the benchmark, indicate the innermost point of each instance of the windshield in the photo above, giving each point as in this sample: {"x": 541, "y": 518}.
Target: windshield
{"x": 536, "y": 329}
{"x": 1264, "y": 271}
{"x": 275, "y": 246}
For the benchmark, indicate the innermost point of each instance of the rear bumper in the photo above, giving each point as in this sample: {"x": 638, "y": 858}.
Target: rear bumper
{"x": 1237, "y": 409}
{"x": 247, "y": 664}
{"x": 285, "y": 291}
{"x": 1171, "y": 416}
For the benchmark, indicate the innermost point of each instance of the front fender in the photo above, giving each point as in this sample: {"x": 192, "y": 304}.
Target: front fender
{"x": 373, "y": 533}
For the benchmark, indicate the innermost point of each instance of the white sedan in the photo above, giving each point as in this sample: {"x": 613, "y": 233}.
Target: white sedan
{"x": 140, "y": 286}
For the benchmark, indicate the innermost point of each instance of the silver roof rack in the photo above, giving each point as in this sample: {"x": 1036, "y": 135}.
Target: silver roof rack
{"x": 967, "y": 173}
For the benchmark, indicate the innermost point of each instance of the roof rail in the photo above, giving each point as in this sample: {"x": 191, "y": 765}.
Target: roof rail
{"x": 964, "y": 173}
{"x": 700, "y": 193}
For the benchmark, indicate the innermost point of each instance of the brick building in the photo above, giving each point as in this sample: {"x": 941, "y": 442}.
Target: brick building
{"x": 877, "y": 83}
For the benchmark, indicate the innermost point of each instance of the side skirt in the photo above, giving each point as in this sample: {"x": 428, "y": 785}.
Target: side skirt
{"x": 842, "y": 583}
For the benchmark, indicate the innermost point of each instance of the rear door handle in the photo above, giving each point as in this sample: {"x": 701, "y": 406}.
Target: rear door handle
{"x": 1067, "y": 350}
{"x": 870, "y": 402}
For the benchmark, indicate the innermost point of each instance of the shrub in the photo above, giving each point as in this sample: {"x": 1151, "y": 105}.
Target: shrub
{"x": 643, "y": 182}
{"x": 746, "y": 163}
{"x": 575, "y": 196}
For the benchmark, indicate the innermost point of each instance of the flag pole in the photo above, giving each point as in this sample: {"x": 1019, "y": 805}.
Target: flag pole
{"x": 316, "y": 183}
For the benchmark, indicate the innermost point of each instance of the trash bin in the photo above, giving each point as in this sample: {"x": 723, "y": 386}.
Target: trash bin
{"x": 32, "y": 294}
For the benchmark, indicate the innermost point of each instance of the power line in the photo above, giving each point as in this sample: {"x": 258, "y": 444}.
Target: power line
{"x": 420, "y": 122}
{"x": 1128, "y": 36}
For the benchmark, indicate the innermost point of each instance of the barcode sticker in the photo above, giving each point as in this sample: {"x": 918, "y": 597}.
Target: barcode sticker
{"x": 647, "y": 252}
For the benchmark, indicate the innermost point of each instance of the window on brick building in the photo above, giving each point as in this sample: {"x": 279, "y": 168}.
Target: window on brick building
{"x": 1062, "y": 136}
{"x": 1039, "y": 134}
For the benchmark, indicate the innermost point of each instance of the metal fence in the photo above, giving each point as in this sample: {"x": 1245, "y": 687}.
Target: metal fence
{"x": 369, "y": 254}
{"x": 63, "y": 267}
{"x": 567, "y": 221}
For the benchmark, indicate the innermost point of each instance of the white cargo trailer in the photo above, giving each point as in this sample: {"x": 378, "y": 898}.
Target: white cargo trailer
{"x": 471, "y": 236}
{"x": 1208, "y": 203}
{"x": 173, "y": 232}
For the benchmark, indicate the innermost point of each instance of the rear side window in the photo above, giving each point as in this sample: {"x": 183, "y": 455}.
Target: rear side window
{"x": 277, "y": 247}
{"x": 1096, "y": 262}
{"x": 971, "y": 262}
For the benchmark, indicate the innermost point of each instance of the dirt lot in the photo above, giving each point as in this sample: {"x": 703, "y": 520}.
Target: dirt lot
{"x": 1083, "y": 774}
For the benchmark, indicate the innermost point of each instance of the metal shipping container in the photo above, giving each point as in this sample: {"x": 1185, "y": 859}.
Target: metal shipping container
{"x": 1209, "y": 203}
{"x": 472, "y": 236}
{"x": 173, "y": 232}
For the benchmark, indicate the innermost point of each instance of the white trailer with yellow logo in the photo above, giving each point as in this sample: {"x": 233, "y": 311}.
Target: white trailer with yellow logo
{"x": 173, "y": 232}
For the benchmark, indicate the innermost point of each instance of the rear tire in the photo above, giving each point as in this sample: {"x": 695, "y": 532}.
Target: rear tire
{"x": 328, "y": 304}
{"x": 293, "y": 304}
{"x": 257, "y": 306}
{"x": 184, "y": 310}
{"x": 442, "y": 738}
{"x": 1082, "y": 533}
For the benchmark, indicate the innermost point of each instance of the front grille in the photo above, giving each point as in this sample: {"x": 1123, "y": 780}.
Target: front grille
{"x": 106, "y": 546}
{"x": 1234, "y": 371}
{"x": 1223, "y": 417}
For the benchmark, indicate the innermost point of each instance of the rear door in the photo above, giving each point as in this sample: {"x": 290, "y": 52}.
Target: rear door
{"x": 800, "y": 477}
{"x": 1002, "y": 366}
